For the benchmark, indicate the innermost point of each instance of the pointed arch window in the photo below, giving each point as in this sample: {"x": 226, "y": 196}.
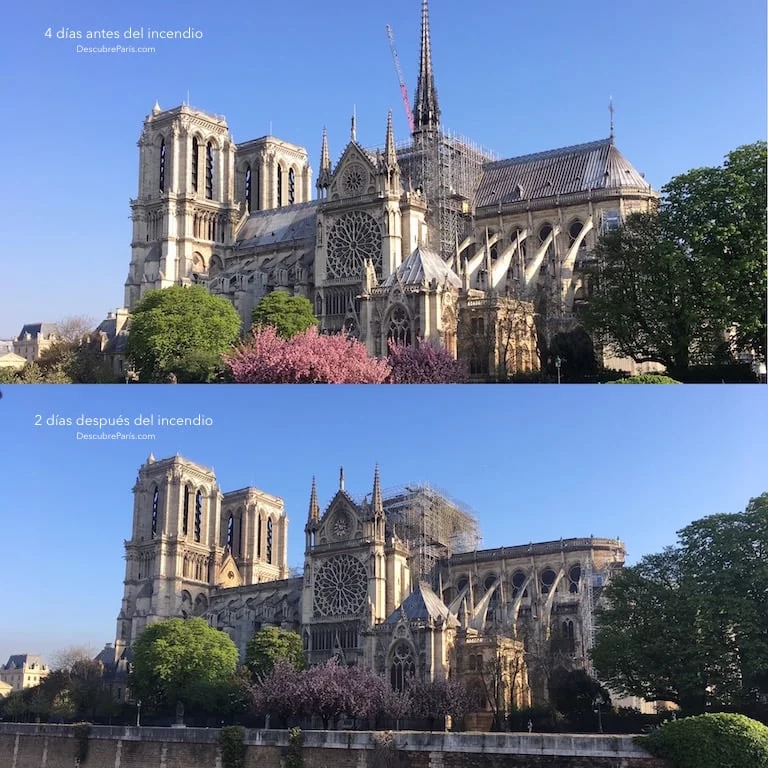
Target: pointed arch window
{"x": 399, "y": 327}
{"x": 185, "y": 519}
{"x": 258, "y": 538}
{"x": 574, "y": 577}
{"x": 195, "y": 163}
{"x": 162, "y": 165}
{"x": 198, "y": 515}
{"x": 279, "y": 186}
{"x": 248, "y": 188}
{"x": 517, "y": 584}
{"x": 568, "y": 636}
{"x": 240, "y": 535}
{"x": 155, "y": 503}
{"x": 403, "y": 667}
{"x": 209, "y": 171}
{"x": 230, "y": 531}
{"x": 548, "y": 577}
{"x": 269, "y": 541}
{"x": 291, "y": 186}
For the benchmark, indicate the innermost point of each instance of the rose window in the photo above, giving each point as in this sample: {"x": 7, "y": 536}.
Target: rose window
{"x": 341, "y": 586}
{"x": 353, "y": 239}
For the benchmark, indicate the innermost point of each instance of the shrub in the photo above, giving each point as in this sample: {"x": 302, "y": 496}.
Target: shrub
{"x": 232, "y": 742}
{"x": 645, "y": 378}
{"x": 710, "y": 741}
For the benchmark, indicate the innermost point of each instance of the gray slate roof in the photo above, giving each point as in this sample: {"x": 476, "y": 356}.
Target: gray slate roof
{"x": 281, "y": 225}
{"x": 423, "y": 266}
{"x": 421, "y": 605}
{"x": 596, "y": 165}
{"x": 46, "y": 329}
{"x": 18, "y": 660}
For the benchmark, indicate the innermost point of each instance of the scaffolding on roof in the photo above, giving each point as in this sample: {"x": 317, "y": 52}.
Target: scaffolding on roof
{"x": 431, "y": 524}
{"x": 447, "y": 168}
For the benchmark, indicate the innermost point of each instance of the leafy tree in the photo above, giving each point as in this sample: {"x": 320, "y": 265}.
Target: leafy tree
{"x": 280, "y": 694}
{"x": 269, "y": 645}
{"x": 174, "y": 660}
{"x": 288, "y": 315}
{"x": 425, "y": 364}
{"x": 306, "y": 358}
{"x": 675, "y": 286}
{"x": 710, "y": 741}
{"x": 575, "y": 694}
{"x": 690, "y": 625}
{"x": 173, "y": 329}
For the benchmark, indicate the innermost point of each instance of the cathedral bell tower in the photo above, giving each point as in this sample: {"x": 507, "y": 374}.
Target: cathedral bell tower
{"x": 189, "y": 538}
{"x": 185, "y": 213}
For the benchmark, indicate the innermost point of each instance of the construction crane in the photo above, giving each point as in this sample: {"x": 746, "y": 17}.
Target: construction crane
{"x": 400, "y": 78}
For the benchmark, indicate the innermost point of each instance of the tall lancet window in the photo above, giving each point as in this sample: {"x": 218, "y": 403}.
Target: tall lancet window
{"x": 162, "y": 165}
{"x": 230, "y": 531}
{"x": 195, "y": 162}
{"x": 291, "y": 186}
{"x": 258, "y": 538}
{"x": 269, "y": 541}
{"x": 185, "y": 520}
{"x": 155, "y": 501}
{"x": 248, "y": 188}
{"x": 279, "y": 186}
{"x": 198, "y": 515}
{"x": 209, "y": 171}
{"x": 403, "y": 668}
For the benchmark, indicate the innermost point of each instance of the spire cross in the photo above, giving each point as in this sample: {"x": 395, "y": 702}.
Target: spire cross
{"x": 611, "y": 110}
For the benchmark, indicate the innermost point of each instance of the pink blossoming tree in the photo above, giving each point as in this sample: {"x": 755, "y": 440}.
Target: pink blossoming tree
{"x": 306, "y": 358}
{"x": 425, "y": 364}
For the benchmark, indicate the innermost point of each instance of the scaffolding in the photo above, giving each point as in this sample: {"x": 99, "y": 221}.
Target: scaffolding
{"x": 447, "y": 169}
{"x": 432, "y": 525}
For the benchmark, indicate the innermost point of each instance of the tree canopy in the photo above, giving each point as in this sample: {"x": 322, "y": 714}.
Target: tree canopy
{"x": 268, "y": 646}
{"x": 690, "y": 624}
{"x": 287, "y": 314}
{"x": 425, "y": 364}
{"x": 180, "y": 660}
{"x": 181, "y": 331}
{"x": 306, "y": 358}
{"x": 686, "y": 285}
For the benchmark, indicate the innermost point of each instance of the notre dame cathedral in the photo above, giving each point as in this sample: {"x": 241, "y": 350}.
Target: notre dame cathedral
{"x": 393, "y": 580}
{"x": 433, "y": 239}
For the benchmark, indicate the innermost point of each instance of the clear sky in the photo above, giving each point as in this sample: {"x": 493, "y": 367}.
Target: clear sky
{"x": 549, "y": 463}
{"x": 688, "y": 79}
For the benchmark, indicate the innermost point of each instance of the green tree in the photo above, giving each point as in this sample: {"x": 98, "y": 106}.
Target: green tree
{"x": 173, "y": 329}
{"x": 687, "y": 284}
{"x": 270, "y": 645}
{"x": 289, "y": 315}
{"x": 175, "y": 660}
{"x": 576, "y": 695}
{"x": 690, "y": 625}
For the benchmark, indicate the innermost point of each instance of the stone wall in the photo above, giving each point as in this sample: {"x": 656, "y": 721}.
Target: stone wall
{"x": 53, "y": 746}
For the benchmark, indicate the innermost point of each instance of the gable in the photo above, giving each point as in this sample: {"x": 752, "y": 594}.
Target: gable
{"x": 354, "y": 175}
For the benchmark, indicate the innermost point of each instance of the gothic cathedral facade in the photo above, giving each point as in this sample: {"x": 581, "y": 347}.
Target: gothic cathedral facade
{"x": 433, "y": 241}
{"x": 393, "y": 581}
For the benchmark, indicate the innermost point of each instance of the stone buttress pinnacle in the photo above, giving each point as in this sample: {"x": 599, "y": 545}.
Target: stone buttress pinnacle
{"x": 314, "y": 507}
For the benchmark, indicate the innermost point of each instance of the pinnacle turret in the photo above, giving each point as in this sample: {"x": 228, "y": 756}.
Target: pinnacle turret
{"x": 426, "y": 112}
{"x": 390, "y": 155}
{"x": 324, "y": 177}
{"x": 376, "y": 502}
{"x": 314, "y": 508}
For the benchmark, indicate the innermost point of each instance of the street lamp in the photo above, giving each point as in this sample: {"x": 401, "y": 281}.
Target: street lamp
{"x": 558, "y": 364}
{"x": 138, "y": 713}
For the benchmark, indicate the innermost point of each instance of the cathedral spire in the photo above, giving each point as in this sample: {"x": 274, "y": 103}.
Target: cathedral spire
{"x": 426, "y": 112}
{"x": 314, "y": 507}
{"x": 341, "y": 478}
{"x": 353, "y": 132}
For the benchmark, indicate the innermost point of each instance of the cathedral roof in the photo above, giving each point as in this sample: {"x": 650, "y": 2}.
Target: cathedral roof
{"x": 421, "y": 605}
{"x": 280, "y": 225}
{"x": 423, "y": 266}
{"x": 596, "y": 165}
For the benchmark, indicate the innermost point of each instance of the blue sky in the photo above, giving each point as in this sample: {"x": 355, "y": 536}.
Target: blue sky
{"x": 687, "y": 77}
{"x": 551, "y": 462}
